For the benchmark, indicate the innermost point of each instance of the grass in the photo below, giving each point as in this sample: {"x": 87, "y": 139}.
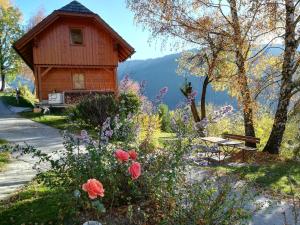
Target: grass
{"x": 34, "y": 204}
{"x": 4, "y": 156}
{"x": 10, "y": 99}
{"x": 165, "y": 137}
{"x": 271, "y": 176}
{"x": 58, "y": 120}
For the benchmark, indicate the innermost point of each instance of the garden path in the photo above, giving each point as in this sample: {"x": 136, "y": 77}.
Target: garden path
{"x": 18, "y": 130}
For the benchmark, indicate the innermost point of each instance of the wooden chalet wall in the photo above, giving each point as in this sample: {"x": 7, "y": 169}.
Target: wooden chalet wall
{"x": 60, "y": 79}
{"x": 53, "y": 46}
{"x": 56, "y": 59}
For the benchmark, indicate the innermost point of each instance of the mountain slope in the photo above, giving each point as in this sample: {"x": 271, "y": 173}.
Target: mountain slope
{"x": 160, "y": 72}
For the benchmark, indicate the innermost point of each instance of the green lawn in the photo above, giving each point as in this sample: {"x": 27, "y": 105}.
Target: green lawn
{"x": 271, "y": 176}
{"x": 4, "y": 156}
{"x": 10, "y": 99}
{"x": 58, "y": 121}
{"x": 34, "y": 204}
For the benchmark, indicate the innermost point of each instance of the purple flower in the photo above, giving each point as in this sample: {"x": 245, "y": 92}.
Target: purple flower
{"x": 185, "y": 119}
{"x": 164, "y": 90}
{"x": 84, "y": 135}
{"x": 142, "y": 87}
{"x": 201, "y": 124}
{"x": 222, "y": 112}
{"x": 108, "y": 133}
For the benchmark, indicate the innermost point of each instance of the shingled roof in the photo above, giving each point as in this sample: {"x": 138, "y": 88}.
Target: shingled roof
{"x": 75, "y": 7}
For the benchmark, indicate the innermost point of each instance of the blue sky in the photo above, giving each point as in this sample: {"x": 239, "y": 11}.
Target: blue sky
{"x": 114, "y": 12}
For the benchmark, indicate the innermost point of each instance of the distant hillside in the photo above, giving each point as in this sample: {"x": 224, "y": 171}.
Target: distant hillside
{"x": 160, "y": 72}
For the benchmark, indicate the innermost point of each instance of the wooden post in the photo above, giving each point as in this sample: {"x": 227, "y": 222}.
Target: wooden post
{"x": 46, "y": 71}
{"x": 40, "y": 83}
{"x": 116, "y": 82}
{"x": 36, "y": 83}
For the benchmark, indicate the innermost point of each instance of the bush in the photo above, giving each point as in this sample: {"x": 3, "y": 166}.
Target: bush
{"x": 94, "y": 109}
{"x": 149, "y": 131}
{"x": 81, "y": 160}
{"x": 165, "y": 117}
{"x": 206, "y": 202}
{"x": 76, "y": 165}
{"x": 26, "y": 98}
{"x": 129, "y": 103}
{"x": 27, "y": 95}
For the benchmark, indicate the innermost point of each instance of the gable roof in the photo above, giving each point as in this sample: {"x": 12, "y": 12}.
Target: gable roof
{"x": 25, "y": 44}
{"x": 75, "y": 7}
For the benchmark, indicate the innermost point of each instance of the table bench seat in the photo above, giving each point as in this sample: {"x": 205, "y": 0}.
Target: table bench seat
{"x": 246, "y": 139}
{"x": 246, "y": 148}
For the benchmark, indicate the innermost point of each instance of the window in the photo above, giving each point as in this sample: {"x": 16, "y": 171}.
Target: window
{"x": 76, "y": 36}
{"x": 78, "y": 81}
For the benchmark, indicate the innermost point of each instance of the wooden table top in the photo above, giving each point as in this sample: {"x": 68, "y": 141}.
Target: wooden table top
{"x": 229, "y": 142}
{"x": 221, "y": 141}
{"x": 213, "y": 139}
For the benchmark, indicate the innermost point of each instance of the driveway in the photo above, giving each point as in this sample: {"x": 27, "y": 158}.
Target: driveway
{"x": 19, "y": 130}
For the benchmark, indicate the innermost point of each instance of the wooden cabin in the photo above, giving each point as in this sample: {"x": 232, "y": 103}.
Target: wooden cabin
{"x": 73, "y": 52}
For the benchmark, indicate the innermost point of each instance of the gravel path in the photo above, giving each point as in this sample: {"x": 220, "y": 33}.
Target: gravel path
{"x": 19, "y": 130}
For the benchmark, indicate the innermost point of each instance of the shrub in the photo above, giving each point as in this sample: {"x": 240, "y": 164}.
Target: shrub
{"x": 26, "y": 98}
{"x": 164, "y": 115}
{"x": 94, "y": 109}
{"x": 126, "y": 128}
{"x": 82, "y": 160}
{"x": 27, "y": 95}
{"x": 129, "y": 103}
{"x": 206, "y": 202}
{"x": 149, "y": 131}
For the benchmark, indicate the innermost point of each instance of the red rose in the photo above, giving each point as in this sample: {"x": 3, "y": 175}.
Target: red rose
{"x": 133, "y": 155}
{"x": 121, "y": 155}
{"x": 135, "y": 170}
{"x": 94, "y": 188}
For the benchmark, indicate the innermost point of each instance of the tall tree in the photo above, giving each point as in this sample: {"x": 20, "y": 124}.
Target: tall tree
{"x": 290, "y": 79}
{"x": 207, "y": 62}
{"x": 5, "y": 3}
{"x": 238, "y": 22}
{"x": 10, "y": 31}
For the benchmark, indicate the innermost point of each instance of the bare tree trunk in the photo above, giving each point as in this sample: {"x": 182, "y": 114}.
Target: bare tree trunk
{"x": 286, "y": 88}
{"x": 187, "y": 91}
{"x": 203, "y": 97}
{"x": 2, "y": 82}
{"x": 247, "y": 106}
{"x": 243, "y": 82}
{"x": 194, "y": 111}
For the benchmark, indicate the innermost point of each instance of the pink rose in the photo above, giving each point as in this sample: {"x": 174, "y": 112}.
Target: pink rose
{"x": 135, "y": 170}
{"x": 94, "y": 188}
{"x": 133, "y": 155}
{"x": 121, "y": 155}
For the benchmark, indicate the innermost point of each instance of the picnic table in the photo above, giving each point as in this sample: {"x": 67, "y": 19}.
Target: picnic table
{"x": 227, "y": 147}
